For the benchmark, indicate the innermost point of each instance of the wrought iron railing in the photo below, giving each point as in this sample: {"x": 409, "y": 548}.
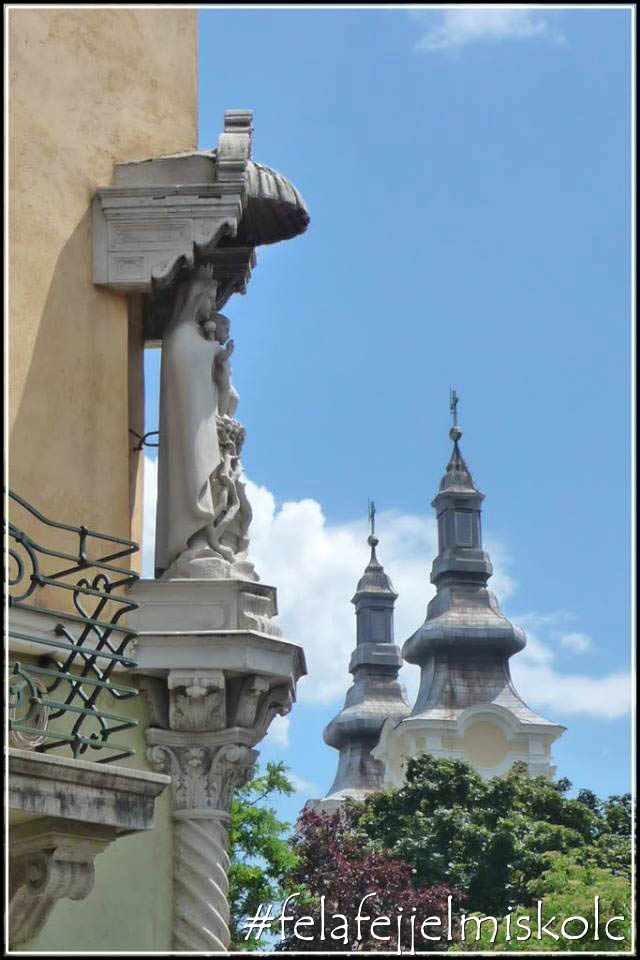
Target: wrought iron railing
{"x": 60, "y": 683}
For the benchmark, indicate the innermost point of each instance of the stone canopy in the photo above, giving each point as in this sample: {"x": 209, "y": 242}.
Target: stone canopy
{"x": 166, "y": 214}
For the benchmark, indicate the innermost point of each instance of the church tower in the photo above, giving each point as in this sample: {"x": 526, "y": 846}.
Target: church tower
{"x": 467, "y": 706}
{"x": 376, "y": 693}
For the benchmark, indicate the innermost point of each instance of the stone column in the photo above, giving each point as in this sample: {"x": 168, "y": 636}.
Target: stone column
{"x": 213, "y": 722}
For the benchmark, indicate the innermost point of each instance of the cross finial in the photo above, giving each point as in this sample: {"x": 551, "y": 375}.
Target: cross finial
{"x": 453, "y": 406}
{"x": 372, "y": 517}
{"x": 455, "y": 432}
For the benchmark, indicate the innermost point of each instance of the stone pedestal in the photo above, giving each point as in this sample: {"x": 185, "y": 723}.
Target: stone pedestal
{"x": 215, "y": 671}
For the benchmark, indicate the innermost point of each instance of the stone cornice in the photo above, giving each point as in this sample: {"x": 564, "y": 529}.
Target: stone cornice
{"x": 98, "y": 793}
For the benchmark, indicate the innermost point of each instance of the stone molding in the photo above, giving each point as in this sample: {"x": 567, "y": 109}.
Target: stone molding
{"x": 196, "y": 699}
{"x": 42, "y": 784}
{"x": 211, "y": 709}
{"x": 205, "y": 721}
{"x": 50, "y": 860}
{"x": 190, "y": 605}
{"x": 202, "y": 777}
{"x": 164, "y": 213}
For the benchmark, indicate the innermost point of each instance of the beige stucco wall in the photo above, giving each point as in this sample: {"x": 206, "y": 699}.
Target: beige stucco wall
{"x": 87, "y": 88}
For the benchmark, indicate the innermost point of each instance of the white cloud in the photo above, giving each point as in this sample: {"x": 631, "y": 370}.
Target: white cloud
{"x": 316, "y": 566}
{"x": 536, "y": 653}
{"x": 149, "y": 515}
{"x": 543, "y": 687}
{"x": 576, "y": 642}
{"x": 458, "y": 27}
{"x": 278, "y": 733}
{"x": 300, "y": 785}
{"x": 534, "y": 619}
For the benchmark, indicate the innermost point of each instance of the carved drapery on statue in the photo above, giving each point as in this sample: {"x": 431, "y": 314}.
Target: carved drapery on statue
{"x": 203, "y": 513}
{"x": 188, "y": 451}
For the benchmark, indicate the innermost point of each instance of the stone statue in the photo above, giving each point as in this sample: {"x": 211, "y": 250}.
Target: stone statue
{"x": 203, "y": 514}
{"x": 218, "y": 330}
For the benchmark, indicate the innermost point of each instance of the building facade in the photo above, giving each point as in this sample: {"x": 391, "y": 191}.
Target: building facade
{"x": 135, "y": 706}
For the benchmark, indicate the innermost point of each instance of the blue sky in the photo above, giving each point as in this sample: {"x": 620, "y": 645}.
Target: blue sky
{"x": 467, "y": 174}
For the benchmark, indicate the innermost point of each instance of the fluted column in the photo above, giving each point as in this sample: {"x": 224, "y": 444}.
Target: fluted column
{"x": 207, "y": 750}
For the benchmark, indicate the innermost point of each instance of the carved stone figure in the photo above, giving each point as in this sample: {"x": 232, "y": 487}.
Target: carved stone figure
{"x": 232, "y": 510}
{"x": 227, "y": 396}
{"x": 203, "y": 514}
{"x": 188, "y": 451}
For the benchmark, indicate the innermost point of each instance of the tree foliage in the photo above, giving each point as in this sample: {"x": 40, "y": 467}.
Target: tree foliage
{"x": 567, "y": 888}
{"x": 261, "y": 856}
{"x": 496, "y": 846}
{"x": 491, "y": 838}
{"x": 335, "y": 862}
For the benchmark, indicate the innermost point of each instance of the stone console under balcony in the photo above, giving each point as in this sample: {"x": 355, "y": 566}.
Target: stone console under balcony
{"x": 62, "y": 813}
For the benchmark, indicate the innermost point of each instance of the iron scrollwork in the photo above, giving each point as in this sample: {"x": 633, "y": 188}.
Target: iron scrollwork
{"x": 58, "y": 696}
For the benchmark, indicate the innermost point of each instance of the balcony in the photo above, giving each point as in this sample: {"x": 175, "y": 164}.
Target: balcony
{"x": 72, "y": 710}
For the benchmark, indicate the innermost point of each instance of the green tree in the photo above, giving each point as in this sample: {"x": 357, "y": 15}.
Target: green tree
{"x": 566, "y": 888}
{"x": 491, "y": 838}
{"x": 261, "y": 857}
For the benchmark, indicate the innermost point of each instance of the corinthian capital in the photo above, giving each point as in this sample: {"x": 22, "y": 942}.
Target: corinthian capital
{"x": 202, "y": 777}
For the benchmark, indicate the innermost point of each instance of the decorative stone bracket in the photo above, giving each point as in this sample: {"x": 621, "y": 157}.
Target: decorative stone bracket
{"x": 68, "y": 811}
{"x": 209, "y": 206}
{"x": 50, "y": 861}
{"x": 162, "y": 214}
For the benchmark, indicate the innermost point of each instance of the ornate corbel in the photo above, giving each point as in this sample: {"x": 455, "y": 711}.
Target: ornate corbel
{"x": 48, "y": 863}
{"x": 167, "y": 213}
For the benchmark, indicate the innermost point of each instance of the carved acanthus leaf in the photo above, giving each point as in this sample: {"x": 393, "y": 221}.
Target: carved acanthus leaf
{"x": 197, "y": 700}
{"x": 203, "y": 778}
